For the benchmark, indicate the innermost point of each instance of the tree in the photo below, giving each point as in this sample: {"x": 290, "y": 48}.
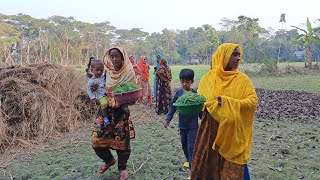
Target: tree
{"x": 8, "y": 36}
{"x": 282, "y": 20}
{"x": 309, "y": 37}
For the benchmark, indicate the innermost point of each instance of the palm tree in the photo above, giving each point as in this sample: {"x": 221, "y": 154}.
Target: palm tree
{"x": 307, "y": 39}
{"x": 282, "y": 20}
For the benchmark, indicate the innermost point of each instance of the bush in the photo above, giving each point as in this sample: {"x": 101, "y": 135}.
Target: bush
{"x": 270, "y": 66}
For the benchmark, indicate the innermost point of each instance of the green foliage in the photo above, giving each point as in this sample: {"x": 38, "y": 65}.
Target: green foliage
{"x": 66, "y": 40}
{"x": 188, "y": 98}
{"x": 282, "y": 18}
{"x": 307, "y": 39}
{"x": 269, "y": 66}
{"x": 125, "y": 87}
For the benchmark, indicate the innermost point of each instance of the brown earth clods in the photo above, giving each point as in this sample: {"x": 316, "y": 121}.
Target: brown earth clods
{"x": 288, "y": 105}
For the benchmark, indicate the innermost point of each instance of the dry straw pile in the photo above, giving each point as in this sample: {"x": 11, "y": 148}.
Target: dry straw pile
{"x": 40, "y": 101}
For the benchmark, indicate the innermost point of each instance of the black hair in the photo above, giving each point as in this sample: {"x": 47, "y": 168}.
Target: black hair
{"x": 187, "y": 74}
{"x": 96, "y": 62}
{"x": 89, "y": 63}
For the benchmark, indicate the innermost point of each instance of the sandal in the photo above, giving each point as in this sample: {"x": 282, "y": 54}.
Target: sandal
{"x": 186, "y": 164}
{"x": 124, "y": 175}
{"x": 104, "y": 167}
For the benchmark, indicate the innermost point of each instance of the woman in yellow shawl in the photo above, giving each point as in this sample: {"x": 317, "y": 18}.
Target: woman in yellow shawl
{"x": 117, "y": 135}
{"x": 224, "y": 138}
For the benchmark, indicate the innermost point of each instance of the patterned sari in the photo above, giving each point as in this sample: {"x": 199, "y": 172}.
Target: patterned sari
{"x": 117, "y": 134}
{"x": 208, "y": 162}
{"x": 163, "y": 80}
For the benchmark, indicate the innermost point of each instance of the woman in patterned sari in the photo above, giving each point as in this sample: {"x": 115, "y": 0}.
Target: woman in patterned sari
{"x": 223, "y": 143}
{"x": 143, "y": 68}
{"x": 163, "y": 80}
{"x": 117, "y": 134}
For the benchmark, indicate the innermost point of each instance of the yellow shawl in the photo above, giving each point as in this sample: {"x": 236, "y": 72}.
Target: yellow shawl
{"x": 113, "y": 77}
{"x": 239, "y": 101}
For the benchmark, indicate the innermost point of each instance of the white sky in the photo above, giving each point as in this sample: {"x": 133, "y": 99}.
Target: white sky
{"x": 155, "y": 15}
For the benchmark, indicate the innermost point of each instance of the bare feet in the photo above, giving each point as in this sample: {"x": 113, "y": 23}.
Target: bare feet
{"x": 124, "y": 174}
{"x": 104, "y": 167}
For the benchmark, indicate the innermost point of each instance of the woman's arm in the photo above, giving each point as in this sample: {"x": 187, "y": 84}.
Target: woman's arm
{"x": 250, "y": 101}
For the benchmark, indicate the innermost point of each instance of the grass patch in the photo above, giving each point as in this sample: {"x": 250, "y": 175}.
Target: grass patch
{"x": 280, "y": 150}
{"x": 156, "y": 154}
{"x": 300, "y": 82}
{"x": 285, "y": 150}
{"x": 308, "y": 83}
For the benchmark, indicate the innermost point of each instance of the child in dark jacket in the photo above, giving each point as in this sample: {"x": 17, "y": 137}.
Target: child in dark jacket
{"x": 188, "y": 124}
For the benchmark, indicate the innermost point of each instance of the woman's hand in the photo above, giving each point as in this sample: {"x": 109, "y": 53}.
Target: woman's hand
{"x": 219, "y": 100}
{"x": 94, "y": 87}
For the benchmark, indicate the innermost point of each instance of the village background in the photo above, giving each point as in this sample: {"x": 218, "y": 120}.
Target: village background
{"x": 46, "y": 120}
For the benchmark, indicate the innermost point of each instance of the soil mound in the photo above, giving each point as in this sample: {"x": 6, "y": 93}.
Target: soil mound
{"x": 288, "y": 105}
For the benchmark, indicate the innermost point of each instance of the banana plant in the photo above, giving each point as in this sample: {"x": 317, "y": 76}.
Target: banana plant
{"x": 309, "y": 37}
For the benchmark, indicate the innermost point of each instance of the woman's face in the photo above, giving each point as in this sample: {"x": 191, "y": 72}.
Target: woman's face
{"x": 116, "y": 59}
{"x": 163, "y": 61}
{"x": 234, "y": 60}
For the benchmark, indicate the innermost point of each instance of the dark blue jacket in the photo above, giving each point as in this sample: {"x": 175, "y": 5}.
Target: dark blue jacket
{"x": 185, "y": 122}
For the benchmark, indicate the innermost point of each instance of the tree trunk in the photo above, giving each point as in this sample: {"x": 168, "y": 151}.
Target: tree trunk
{"x": 9, "y": 59}
{"x": 67, "y": 54}
{"x": 310, "y": 56}
{"x": 40, "y": 54}
{"x": 207, "y": 59}
{"x": 28, "y": 52}
{"x": 279, "y": 53}
{"x": 97, "y": 51}
{"x": 21, "y": 53}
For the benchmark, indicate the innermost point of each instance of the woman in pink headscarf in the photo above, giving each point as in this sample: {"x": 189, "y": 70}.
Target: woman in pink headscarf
{"x": 115, "y": 136}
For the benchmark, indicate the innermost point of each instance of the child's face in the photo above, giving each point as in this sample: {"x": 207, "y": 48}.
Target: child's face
{"x": 186, "y": 84}
{"x": 97, "y": 70}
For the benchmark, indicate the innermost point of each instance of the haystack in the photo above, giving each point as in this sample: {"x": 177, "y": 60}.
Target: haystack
{"x": 40, "y": 101}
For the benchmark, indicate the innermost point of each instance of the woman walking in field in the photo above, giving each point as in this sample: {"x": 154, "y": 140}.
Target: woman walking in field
{"x": 116, "y": 136}
{"x": 89, "y": 74}
{"x": 224, "y": 138}
{"x": 159, "y": 56}
{"x": 163, "y": 80}
{"x": 143, "y": 68}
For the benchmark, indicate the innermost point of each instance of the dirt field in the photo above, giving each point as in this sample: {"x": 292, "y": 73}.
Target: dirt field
{"x": 285, "y": 148}
{"x": 286, "y": 138}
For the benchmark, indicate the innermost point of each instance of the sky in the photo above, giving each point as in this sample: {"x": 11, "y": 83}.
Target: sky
{"x": 155, "y": 15}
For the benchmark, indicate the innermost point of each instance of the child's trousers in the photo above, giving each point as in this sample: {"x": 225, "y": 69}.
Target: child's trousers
{"x": 188, "y": 138}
